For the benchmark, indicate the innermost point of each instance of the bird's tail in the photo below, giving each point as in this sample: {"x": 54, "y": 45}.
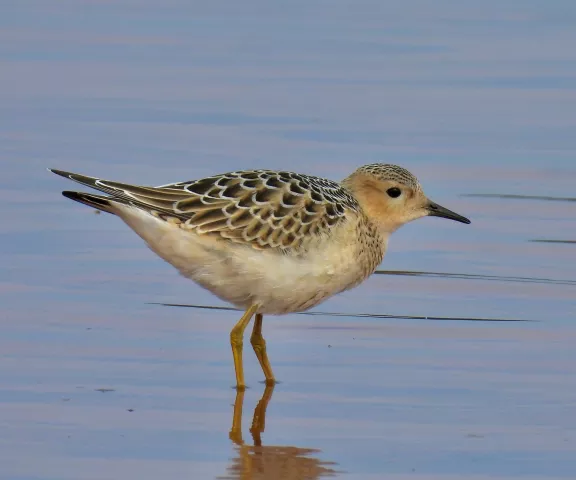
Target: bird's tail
{"x": 98, "y": 202}
{"x": 159, "y": 199}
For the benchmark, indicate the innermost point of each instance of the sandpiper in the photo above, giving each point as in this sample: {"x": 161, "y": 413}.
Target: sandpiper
{"x": 269, "y": 242}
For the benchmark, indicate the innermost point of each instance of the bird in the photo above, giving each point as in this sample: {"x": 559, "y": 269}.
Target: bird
{"x": 269, "y": 242}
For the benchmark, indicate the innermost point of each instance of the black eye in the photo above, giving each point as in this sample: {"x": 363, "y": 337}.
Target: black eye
{"x": 394, "y": 192}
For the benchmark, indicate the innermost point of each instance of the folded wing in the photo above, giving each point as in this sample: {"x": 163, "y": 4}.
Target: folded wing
{"x": 262, "y": 208}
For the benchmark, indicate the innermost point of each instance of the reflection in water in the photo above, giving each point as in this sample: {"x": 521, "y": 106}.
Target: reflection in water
{"x": 470, "y": 276}
{"x": 267, "y": 462}
{"x": 360, "y": 315}
{"x": 543, "y": 240}
{"x": 521, "y": 197}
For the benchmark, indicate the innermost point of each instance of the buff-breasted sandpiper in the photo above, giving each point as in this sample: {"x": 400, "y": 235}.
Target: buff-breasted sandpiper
{"x": 269, "y": 242}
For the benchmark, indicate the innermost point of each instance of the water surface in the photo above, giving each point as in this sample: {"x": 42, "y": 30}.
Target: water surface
{"x": 100, "y": 381}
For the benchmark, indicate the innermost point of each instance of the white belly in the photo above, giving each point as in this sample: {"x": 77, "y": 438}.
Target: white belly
{"x": 244, "y": 276}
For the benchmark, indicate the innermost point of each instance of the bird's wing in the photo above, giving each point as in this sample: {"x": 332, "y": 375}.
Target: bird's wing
{"x": 262, "y": 208}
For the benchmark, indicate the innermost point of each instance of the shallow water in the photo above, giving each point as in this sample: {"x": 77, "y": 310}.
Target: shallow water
{"x": 423, "y": 378}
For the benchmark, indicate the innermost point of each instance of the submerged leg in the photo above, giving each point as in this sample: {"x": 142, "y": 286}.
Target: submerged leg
{"x": 259, "y": 346}
{"x": 259, "y": 420}
{"x": 236, "y": 431}
{"x": 236, "y": 340}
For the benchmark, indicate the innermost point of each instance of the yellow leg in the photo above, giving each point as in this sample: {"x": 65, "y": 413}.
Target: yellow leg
{"x": 236, "y": 430}
{"x": 259, "y": 346}
{"x": 236, "y": 340}
{"x": 259, "y": 420}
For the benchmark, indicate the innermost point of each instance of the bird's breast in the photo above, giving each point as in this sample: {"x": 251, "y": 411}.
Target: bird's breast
{"x": 279, "y": 281}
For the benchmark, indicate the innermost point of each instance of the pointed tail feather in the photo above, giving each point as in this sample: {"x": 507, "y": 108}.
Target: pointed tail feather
{"x": 161, "y": 199}
{"x": 83, "y": 179}
{"x": 98, "y": 202}
{"x": 114, "y": 189}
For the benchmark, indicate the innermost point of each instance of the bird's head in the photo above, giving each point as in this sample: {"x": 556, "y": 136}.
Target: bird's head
{"x": 391, "y": 196}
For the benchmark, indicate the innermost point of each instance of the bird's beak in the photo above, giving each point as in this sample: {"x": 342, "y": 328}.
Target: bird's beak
{"x": 435, "y": 210}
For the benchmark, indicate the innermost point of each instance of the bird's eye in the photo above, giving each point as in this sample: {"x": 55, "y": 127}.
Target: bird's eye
{"x": 394, "y": 192}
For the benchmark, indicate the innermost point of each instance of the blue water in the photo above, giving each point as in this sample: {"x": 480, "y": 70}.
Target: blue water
{"x": 472, "y": 98}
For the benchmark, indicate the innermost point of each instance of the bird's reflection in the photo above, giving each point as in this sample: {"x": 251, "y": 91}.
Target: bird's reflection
{"x": 267, "y": 462}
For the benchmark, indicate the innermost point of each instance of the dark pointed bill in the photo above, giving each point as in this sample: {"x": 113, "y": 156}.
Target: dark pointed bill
{"x": 435, "y": 210}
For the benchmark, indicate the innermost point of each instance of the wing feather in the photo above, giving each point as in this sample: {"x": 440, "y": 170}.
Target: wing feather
{"x": 262, "y": 208}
